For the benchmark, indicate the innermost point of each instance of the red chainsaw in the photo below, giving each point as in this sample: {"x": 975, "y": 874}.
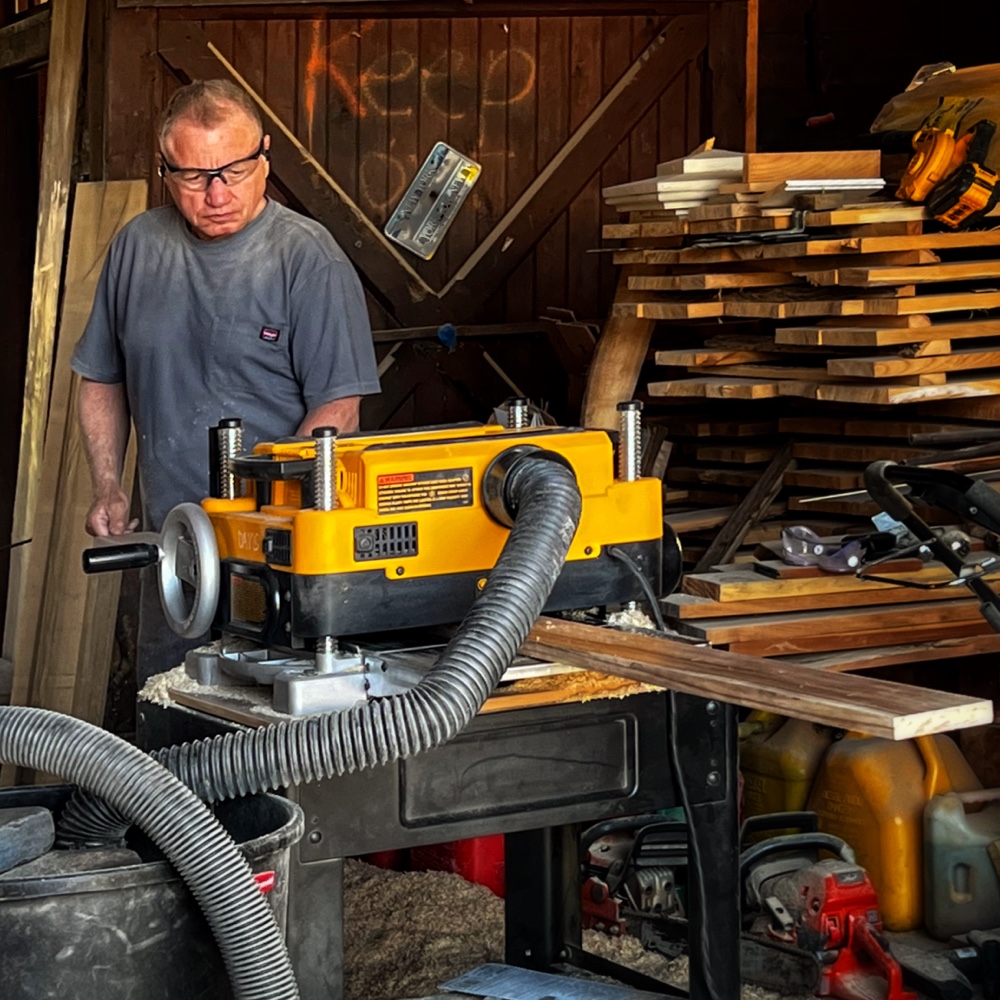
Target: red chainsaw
{"x": 810, "y": 925}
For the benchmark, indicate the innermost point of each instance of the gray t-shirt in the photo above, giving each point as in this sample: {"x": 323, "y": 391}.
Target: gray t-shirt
{"x": 266, "y": 324}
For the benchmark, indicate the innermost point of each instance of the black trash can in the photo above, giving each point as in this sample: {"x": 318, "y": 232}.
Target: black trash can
{"x": 130, "y": 932}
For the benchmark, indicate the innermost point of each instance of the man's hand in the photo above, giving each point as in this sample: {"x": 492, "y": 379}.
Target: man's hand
{"x": 103, "y": 411}
{"x": 108, "y": 514}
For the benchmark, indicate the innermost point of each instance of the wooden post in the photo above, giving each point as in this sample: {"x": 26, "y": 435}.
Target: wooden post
{"x": 619, "y": 355}
{"x": 65, "y": 59}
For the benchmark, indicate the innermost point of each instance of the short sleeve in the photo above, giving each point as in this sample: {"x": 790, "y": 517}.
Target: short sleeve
{"x": 332, "y": 351}
{"x": 97, "y": 355}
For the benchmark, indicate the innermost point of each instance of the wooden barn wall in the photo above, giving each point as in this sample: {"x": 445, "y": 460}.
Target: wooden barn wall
{"x": 370, "y": 97}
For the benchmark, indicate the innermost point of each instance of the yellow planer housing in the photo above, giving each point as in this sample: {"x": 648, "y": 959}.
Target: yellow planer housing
{"x": 415, "y": 527}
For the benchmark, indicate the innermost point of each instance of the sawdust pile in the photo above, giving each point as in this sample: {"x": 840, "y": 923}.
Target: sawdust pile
{"x": 405, "y": 933}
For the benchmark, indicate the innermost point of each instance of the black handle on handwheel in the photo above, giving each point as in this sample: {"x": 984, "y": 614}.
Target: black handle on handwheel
{"x": 132, "y": 555}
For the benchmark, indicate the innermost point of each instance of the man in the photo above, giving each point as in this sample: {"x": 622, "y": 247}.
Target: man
{"x": 224, "y": 304}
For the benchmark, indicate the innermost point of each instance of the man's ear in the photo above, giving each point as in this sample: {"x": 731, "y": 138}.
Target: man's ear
{"x": 267, "y": 147}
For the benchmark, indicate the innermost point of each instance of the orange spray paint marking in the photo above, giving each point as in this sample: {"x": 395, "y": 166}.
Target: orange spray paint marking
{"x": 319, "y": 65}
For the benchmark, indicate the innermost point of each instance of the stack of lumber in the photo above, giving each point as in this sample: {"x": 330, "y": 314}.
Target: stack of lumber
{"x": 861, "y": 308}
{"x": 713, "y": 185}
{"x": 771, "y": 609}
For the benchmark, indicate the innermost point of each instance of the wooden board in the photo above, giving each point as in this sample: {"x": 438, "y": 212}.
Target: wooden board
{"x": 871, "y": 277}
{"x": 807, "y": 624}
{"x": 65, "y": 626}
{"x": 961, "y": 359}
{"x": 702, "y": 282}
{"x": 884, "y": 394}
{"x": 881, "y": 708}
{"x": 717, "y": 388}
{"x": 904, "y": 304}
{"x": 58, "y": 144}
{"x": 855, "y": 451}
{"x": 879, "y": 336}
{"x": 745, "y": 585}
{"x": 903, "y": 654}
{"x": 667, "y": 310}
{"x": 778, "y": 167}
{"x": 701, "y": 520}
{"x": 691, "y": 607}
{"x": 698, "y": 357}
{"x": 866, "y": 215}
{"x": 859, "y": 640}
{"x": 804, "y": 374}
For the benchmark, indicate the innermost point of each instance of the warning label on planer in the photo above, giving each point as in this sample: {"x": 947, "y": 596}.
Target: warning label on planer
{"x": 435, "y": 490}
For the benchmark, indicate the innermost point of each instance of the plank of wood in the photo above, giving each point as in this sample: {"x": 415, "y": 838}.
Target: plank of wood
{"x": 692, "y": 607}
{"x": 25, "y": 43}
{"x": 962, "y": 359}
{"x": 888, "y": 393}
{"x": 742, "y": 454}
{"x": 744, "y": 478}
{"x": 871, "y": 277}
{"x": 717, "y": 428}
{"x": 856, "y": 451}
{"x": 58, "y": 143}
{"x": 807, "y": 624}
{"x": 750, "y": 510}
{"x": 902, "y": 305}
{"x": 718, "y": 388}
{"x": 705, "y": 357}
{"x": 779, "y": 167}
{"x": 916, "y": 320}
{"x": 776, "y": 569}
{"x": 880, "y": 336}
{"x": 859, "y": 640}
{"x": 667, "y": 310}
{"x": 702, "y": 282}
{"x": 826, "y": 479}
{"x": 804, "y": 374}
{"x": 881, "y": 708}
{"x": 745, "y": 585}
{"x": 752, "y": 256}
{"x": 866, "y": 215}
{"x": 905, "y": 653}
{"x": 65, "y": 625}
{"x": 700, "y": 520}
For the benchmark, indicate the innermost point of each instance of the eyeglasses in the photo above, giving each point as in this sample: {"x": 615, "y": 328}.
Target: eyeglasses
{"x": 201, "y": 180}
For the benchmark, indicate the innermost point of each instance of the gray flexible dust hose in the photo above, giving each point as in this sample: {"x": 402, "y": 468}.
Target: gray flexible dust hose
{"x": 182, "y": 827}
{"x": 545, "y": 497}
{"x": 542, "y": 496}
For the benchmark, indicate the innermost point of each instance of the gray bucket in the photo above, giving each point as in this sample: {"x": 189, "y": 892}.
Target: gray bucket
{"x": 132, "y": 931}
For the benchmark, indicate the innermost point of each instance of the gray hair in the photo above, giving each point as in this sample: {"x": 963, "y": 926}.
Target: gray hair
{"x": 207, "y": 103}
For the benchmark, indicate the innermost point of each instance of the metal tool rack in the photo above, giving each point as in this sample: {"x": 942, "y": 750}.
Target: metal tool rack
{"x": 531, "y": 774}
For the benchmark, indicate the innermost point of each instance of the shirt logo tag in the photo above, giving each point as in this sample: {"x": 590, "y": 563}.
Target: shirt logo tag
{"x": 270, "y": 334}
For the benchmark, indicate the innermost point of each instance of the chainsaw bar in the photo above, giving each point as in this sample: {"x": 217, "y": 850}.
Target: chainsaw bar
{"x": 778, "y": 967}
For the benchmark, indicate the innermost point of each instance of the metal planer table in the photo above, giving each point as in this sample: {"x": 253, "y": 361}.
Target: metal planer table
{"x": 531, "y": 774}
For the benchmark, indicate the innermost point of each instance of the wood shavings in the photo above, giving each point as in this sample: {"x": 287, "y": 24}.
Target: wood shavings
{"x": 253, "y": 697}
{"x": 586, "y": 685}
{"x": 405, "y": 933}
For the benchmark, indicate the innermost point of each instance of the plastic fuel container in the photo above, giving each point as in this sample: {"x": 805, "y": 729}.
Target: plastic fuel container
{"x": 779, "y": 763}
{"x": 872, "y": 793}
{"x": 961, "y": 885}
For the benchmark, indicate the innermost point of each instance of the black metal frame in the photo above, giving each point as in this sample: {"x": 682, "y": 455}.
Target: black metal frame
{"x": 533, "y": 775}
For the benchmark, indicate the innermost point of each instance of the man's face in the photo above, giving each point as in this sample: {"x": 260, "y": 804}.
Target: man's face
{"x": 220, "y": 209}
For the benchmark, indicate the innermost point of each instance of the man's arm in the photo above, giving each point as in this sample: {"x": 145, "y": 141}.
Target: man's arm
{"x": 104, "y": 420}
{"x": 344, "y": 414}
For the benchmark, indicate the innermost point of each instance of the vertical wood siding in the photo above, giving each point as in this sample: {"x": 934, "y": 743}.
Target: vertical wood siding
{"x": 370, "y": 98}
